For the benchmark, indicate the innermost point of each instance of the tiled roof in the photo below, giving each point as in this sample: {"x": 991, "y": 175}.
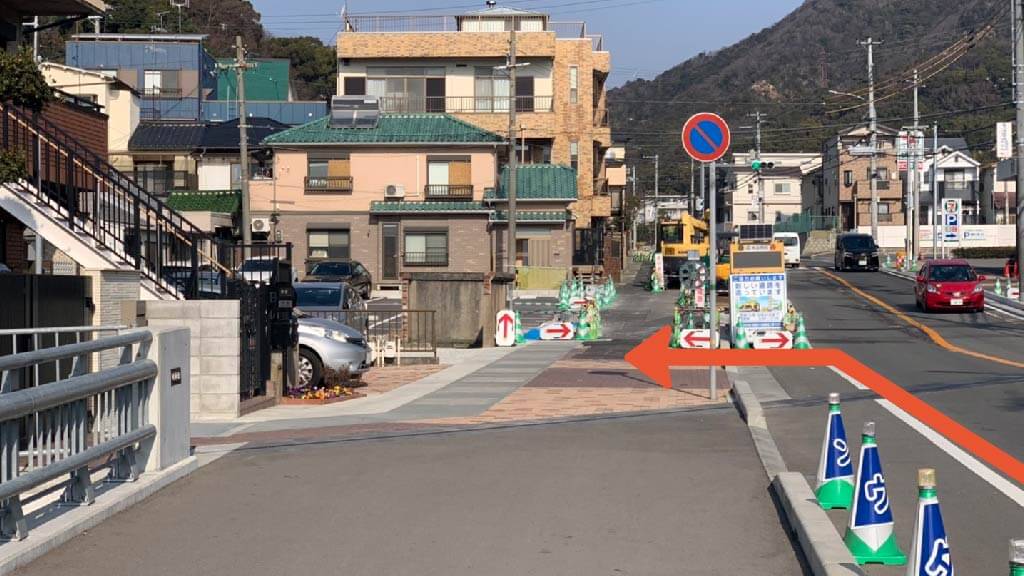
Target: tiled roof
{"x": 224, "y": 135}
{"x": 532, "y": 216}
{"x": 539, "y": 182}
{"x": 268, "y": 81}
{"x": 226, "y": 201}
{"x": 158, "y": 136}
{"x": 391, "y": 129}
{"x": 426, "y": 207}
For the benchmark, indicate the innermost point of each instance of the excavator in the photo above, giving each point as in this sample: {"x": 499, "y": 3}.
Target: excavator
{"x": 678, "y": 239}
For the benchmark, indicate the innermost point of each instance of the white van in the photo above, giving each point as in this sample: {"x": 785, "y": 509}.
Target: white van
{"x": 791, "y": 247}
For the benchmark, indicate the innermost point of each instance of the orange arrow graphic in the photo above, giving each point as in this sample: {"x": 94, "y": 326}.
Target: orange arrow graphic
{"x": 654, "y": 358}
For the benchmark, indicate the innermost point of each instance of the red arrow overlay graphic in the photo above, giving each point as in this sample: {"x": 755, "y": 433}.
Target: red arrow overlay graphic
{"x": 654, "y": 358}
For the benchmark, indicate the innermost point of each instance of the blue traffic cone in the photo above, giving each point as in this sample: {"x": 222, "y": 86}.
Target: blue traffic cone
{"x": 835, "y": 469}
{"x": 930, "y": 552}
{"x": 870, "y": 536}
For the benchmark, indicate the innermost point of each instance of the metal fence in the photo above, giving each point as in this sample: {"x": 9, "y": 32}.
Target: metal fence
{"x": 21, "y": 340}
{"x": 391, "y": 331}
{"x": 49, "y": 431}
{"x": 804, "y": 223}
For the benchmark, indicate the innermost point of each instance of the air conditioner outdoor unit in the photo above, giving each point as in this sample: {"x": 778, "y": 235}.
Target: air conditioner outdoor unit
{"x": 394, "y": 191}
{"x": 261, "y": 224}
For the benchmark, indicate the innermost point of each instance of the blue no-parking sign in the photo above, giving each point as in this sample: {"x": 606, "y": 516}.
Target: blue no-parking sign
{"x": 706, "y": 137}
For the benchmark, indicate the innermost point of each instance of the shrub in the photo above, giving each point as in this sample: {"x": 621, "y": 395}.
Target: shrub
{"x": 986, "y": 252}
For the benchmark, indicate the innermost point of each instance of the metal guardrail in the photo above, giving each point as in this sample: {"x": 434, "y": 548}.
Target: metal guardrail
{"x": 21, "y": 340}
{"x": 62, "y": 427}
{"x": 411, "y": 331}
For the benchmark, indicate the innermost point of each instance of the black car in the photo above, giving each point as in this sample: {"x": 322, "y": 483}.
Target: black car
{"x": 856, "y": 252}
{"x": 349, "y": 271}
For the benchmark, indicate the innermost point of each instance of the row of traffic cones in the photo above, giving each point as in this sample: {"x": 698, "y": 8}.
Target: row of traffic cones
{"x": 870, "y": 535}
{"x": 1007, "y": 291}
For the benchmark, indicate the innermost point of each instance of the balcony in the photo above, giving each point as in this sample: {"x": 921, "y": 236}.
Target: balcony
{"x": 162, "y": 93}
{"x": 328, "y": 184}
{"x": 966, "y": 191}
{"x": 162, "y": 182}
{"x": 431, "y": 257}
{"x": 600, "y": 186}
{"x": 601, "y": 118}
{"x": 410, "y": 104}
{"x": 452, "y": 192}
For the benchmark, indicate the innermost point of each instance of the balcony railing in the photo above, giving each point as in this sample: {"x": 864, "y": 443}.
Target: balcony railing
{"x": 967, "y": 191}
{"x": 162, "y": 182}
{"x": 600, "y": 186}
{"x": 398, "y": 23}
{"x": 408, "y": 104}
{"x": 162, "y": 93}
{"x": 329, "y": 184}
{"x": 430, "y": 257}
{"x": 601, "y": 118}
{"x": 448, "y": 191}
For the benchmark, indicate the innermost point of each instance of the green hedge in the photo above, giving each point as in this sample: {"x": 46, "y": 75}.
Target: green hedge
{"x": 1001, "y": 252}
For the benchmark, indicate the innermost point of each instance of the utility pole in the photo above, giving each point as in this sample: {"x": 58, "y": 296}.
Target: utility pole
{"x": 1018, "y": 76}
{"x": 870, "y": 43}
{"x": 511, "y": 66}
{"x": 633, "y": 220}
{"x": 693, "y": 191}
{"x": 240, "y": 67}
{"x": 915, "y": 180}
{"x": 935, "y": 192}
{"x": 657, "y": 211}
{"x": 758, "y": 118}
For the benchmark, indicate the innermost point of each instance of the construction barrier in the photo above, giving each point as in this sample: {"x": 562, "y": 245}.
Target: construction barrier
{"x": 835, "y": 468}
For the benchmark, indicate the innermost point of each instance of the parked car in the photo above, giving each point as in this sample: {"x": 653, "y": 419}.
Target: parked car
{"x": 326, "y": 343}
{"x": 856, "y": 251}
{"x": 261, "y": 269}
{"x": 790, "y": 247}
{"x": 349, "y": 271}
{"x": 334, "y": 300}
{"x": 949, "y": 285}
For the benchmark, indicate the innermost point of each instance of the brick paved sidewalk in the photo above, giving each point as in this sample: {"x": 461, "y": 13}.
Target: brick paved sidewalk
{"x": 388, "y": 378}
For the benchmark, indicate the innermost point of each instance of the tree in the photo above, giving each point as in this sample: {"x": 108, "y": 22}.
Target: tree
{"x": 314, "y": 66}
{"x": 21, "y": 84}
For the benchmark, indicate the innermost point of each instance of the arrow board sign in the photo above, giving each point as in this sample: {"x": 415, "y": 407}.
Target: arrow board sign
{"x": 695, "y": 339}
{"x": 505, "y": 329}
{"x": 557, "y": 331}
{"x": 773, "y": 340}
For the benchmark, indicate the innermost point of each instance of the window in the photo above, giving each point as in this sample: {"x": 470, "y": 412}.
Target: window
{"x": 883, "y": 208}
{"x": 449, "y": 177}
{"x": 424, "y": 248}
{"x": 574, "y": 84}
{"x": 161, "y": 83}
{"x": 328, "y": 244}
{"x": 574, "y": 155}
{"x": 881, "y": 174}
{"x": 355, "y": 86}
{"x": 407, "y": 88}
{"x": 955, "y": 178}
{"x": 522, "y": 251}
{"x": 848, "y": 178}
{"x": 750, "y": 188}
{"x": 491, "y": 90}
{"x": 782, "y": 188}
{"x": 524, "y": 94}
{"x": 329, "y": 174}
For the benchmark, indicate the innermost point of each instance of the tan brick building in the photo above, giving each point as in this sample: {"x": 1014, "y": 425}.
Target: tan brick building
{"x": 451, "y": 64}
{"x": 846, "y": 179}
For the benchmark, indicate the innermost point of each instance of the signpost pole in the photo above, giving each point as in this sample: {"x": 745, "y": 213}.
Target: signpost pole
{"x": 712, "y": 261}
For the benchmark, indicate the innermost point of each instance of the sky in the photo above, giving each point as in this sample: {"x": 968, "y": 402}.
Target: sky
{"x": 645, "y": 37}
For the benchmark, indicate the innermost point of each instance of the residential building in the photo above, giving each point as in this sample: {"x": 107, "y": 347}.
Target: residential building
{"x": 846, "y": 178}
{"x": 218, "y": 153}
{"x": 180, "y": 81}
{"x": 998, "y": 196}
{"x": 415, "y": 192}
{"x": 16, "y": 12}
{"x": 455, "y": 65}
{"x": 115, "y": 98}
{"x": 782, "y": 187}
{"x": 958, "y": 176}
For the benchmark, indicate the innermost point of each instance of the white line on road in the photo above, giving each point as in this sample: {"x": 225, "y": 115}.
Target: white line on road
{"x": 1011, "y": 490}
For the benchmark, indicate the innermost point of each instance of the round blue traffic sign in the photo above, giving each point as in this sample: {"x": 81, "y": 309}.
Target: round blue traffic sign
{"x": 706, "y": 137}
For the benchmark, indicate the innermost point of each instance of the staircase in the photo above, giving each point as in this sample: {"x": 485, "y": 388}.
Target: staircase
{"x": 99, "y": 216}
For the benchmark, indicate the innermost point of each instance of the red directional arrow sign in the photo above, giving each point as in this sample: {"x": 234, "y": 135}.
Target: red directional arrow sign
{"x": 696, "y": 338}
{"x": 773, "y": 341}
{"x": 557, "y": 331}
{"x": 561, "y": 330}
{"x": 506, "y": 325}
{"x": 505, "y": 329}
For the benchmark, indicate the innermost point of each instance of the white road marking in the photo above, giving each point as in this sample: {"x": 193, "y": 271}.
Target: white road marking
{"x": 1009, "y": 489}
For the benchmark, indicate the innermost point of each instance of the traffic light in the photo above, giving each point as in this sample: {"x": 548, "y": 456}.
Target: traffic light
{"x": 759, "y": 165}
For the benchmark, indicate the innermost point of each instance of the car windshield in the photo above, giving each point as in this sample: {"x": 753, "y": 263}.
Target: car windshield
{"x": 671, "y": 234}
{"x": 332, "y": 269}
{"x": 317, "y": 296}
{"x": 858, "y": 242}
{"x": 789, "y": 240}
{"x": 258, "y": 266}
{"x": 954, "y": 273}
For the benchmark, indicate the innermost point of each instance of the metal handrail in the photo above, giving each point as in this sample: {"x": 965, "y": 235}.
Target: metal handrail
{"x": 60, "y": 330}
{"x": 23, "y": 402}
{"x": 15, "y": 361}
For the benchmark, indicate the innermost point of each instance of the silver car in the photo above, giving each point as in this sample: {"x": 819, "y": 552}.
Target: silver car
{"x": 326, "y": 343}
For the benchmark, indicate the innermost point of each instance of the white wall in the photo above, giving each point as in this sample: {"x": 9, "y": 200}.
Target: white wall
{"x": 974, "y": 236}
{"x": 214, "y": 174}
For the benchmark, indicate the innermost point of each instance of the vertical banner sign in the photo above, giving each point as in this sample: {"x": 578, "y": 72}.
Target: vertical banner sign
{"x": 1004, "y": 140}
{"x": 659, "y": 268}
{"x": 952, "y": 218}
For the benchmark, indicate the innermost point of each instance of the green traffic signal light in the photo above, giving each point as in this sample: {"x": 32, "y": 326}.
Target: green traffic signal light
{"x": 756, "y": 165}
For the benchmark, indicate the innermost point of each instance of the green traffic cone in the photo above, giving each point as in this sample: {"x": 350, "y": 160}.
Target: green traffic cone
{"x": 520, "y": 338}
{"x": 999, "y": 287}
{"x": 870, "y": 535}
{"x": 739, "y": 338}
{"x": 800, "y": 342}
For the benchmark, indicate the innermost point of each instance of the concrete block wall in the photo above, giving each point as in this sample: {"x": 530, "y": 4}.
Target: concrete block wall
{"x": 110, "y": 290}
{"x": 215, "y": 345}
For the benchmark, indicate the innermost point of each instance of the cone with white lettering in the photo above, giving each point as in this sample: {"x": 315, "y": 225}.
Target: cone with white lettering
{"x": 739, "y": 337}
{"x": 800, "y": 341}
{"x": 1016, "y": 557}
{"x": 999, "y": 287}
{"x": 835, "y": 469}
{"x": 930, "y": 553}
{"x": 870, "y": 535}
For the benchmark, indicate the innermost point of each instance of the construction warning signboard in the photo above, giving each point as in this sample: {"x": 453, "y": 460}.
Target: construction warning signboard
{"x": 759, "y": 301}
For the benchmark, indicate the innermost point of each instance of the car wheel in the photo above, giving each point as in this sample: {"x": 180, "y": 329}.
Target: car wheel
{"x": 310, "y": 368}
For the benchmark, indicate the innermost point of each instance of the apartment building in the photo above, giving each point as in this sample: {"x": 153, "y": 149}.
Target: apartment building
{"x": 957, "y": 175}
{"x": 782, "y": 187}
{"x": 846, "y": 178}
{"x": 453, "y": 65}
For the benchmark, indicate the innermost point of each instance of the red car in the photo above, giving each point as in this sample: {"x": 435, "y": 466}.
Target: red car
{"x": 949, "y": 285}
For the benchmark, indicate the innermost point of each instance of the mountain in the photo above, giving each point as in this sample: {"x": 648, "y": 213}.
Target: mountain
{"x": 787, "y": 70}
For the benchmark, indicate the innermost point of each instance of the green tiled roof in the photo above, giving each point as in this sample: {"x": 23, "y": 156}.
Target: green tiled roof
{"x": 426, "y": 207}
{"x": 227, "y": 201}
{"x": 268, "y": 81}
{"x": 532, "y": 216}
{"x": 539, "y": 182}
{"x": 391, "y": 129}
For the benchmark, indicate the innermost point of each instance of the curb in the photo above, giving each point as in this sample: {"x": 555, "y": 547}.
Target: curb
{"x": 52, "y": 534}
{"x": 822, "y": 547}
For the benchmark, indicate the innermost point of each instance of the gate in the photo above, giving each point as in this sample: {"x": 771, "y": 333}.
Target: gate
{"x": 253, "y": 338}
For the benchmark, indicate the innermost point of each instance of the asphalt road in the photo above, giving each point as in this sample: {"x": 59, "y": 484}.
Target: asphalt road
{"x": 986, "y": 397}
{"x": 655, "y": 495}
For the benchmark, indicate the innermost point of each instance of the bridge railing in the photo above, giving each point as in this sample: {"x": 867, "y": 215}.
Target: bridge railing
{"x": 62, "y": 428}
{"x": 18, "y": 340}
